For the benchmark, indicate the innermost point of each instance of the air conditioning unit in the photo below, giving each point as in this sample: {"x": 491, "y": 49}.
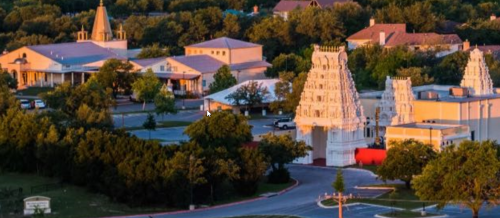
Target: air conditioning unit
{"x": 459, "y": 92}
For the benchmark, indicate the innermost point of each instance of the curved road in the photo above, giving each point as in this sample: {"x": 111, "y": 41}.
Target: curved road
{"x": 300, "y": 201}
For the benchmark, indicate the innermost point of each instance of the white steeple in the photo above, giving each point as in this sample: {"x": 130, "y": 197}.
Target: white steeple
{"x": 396, "y": 104}
{"x": 476, "y": 76}
{"x": 330, "y": 101}
{"x": 102, "y": 28}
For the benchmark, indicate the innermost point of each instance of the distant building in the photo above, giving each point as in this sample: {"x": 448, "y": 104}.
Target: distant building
{"x": 284, "y": 7}
{"x": 493, "y": 50}
{"x": 393, "y": 35}
{"x": 48, "y": 65}
{"x": 202, "y": 61}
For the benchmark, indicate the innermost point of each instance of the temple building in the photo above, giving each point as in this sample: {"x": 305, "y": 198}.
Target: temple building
{"x": 330, "y": 116}
{"x": 442, "y": 115}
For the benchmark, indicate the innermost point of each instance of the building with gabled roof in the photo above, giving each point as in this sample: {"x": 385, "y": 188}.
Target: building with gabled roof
{"x": 284, "y": 7}
{"x": 204, "y": 59}
{"x": 393, "y": 35}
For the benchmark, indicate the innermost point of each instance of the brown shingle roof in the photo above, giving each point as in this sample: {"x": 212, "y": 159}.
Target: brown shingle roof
{"x": 285, "y": 5}
{"x": 372, "y": 33}
{"x": 402, "y": 38}
{"x": 488, "y": 49}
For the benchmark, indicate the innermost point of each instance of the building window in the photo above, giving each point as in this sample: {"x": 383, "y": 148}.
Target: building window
{"x": 213, "y": 52}
{"x": 472, "y": 136}
{"x": 319, "y": 98}
{"x": 162, "y": 68}
{"x": 317, "y": 113}
{"x": 204, "y": 83}
{"x": 24, "y": 55}
{"x": 223, "y": 53}
{"x": 218, "y": 52}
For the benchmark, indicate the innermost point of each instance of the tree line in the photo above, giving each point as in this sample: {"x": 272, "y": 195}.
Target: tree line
{"x": 77, "y": 142}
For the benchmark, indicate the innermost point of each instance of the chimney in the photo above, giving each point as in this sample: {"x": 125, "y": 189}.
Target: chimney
{"x": 255, "y": 9}
{"x": 466, "y": 45}
{"x": 382, "y": 38}
{"x": 372, "y": 21}
{"x": 493, "y": 17}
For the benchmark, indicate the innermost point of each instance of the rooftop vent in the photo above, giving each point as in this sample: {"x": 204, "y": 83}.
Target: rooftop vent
{"x": 459, "y": 92}
{"x": 428, "y": 95}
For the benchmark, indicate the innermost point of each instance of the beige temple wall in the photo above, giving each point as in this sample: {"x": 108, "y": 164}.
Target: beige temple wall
{"x": 118, "y": 46}
{"x": 480, "y": 115}
{"x": 436, "y": 137}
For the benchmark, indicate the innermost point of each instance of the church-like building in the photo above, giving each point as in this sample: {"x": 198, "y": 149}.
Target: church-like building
{"x": 74, "y": 62}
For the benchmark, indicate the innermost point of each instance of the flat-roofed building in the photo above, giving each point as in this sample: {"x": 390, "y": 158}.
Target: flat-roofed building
{"x": 435, "y": 134}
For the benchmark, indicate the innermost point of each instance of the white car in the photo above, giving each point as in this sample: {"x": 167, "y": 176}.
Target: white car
{"x": 39, "y": 104}
{"x": 25, "y": 104}
{"x": 284, "y": 123}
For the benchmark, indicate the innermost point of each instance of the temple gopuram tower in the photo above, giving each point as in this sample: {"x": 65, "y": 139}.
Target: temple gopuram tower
{"x": 476, "y": 76}
{"x": 102, "y": 34}
{"x": 396, "y": 104}
{"x": 329, "y": 116}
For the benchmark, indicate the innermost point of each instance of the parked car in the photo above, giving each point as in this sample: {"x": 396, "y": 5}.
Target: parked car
{"x": 25, "y": 104}
{"x": 39, "y": 104}
{"x": 284, "y": 123}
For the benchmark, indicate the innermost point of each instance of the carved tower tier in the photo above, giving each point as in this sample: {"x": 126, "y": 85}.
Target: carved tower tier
{"x": 329, "y": 116}
{"x": 476, "y": 76}
{"x": 396, "y": 104}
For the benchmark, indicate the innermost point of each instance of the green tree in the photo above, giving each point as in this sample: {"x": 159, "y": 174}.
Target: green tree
{"x": 288, "y": 63}
{"x": 467, "y": 174}
{"x": 450, "y": 70}
{"x": 251, "y": 94}
{"x": 164, "y": 102}
{"x": 150, "y": 123}
{"x": 116, "y": 74}
{"x": 190, "y": 163}
{"x": 223, "y": 79}
{"x": 147, "y": 87}
{"x": 281, "y": 150}
{"x": 231, "y": 27}
{"x": 419, "y": 76}
{"x": 154, "y": 51}
{"x": 293, "y": 100}
{"x": 339, "y": 186}
{"x": 252, "y": 165}
{"x": 8, "y": 80}
{"x": 282, "y": 90}
{"x": 405, "y": 159}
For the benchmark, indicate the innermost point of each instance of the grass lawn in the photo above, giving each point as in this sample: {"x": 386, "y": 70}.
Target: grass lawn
{"x": 34, "y": 91}
{"x": 70, "y": 201}
{"x": 405, "y": 199}
{"x": 163, "y": 124}
{"x": 406, "y": 214}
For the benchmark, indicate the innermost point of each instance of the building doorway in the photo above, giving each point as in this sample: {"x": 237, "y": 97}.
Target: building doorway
{"x": 319, "y": 139}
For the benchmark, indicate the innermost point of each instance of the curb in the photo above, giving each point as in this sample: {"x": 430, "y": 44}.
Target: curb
{"x": 362, "y": 170}
{"x": 335, "y": 168}
{"x": 374, "y": 188}
{"x": 208, "y": 208}
{"x": 437, "y": 216}
{"x": 357, "y": 203}
{"x": 420, "y": 209}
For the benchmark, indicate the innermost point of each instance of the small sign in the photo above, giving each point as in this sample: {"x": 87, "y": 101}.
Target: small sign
{"x": 31, "y": 204}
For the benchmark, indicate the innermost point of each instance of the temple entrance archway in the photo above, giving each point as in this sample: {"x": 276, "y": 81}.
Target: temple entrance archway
{"x": 319, "y": 139}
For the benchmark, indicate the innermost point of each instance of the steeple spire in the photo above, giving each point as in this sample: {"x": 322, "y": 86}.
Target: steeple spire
{"x": 102, "y": 28}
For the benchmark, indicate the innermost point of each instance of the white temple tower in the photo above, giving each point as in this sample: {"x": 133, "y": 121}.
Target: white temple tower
{"x": 330, "y": 116}
{"x": 476, "y": 76}
{"x": 396, "y": 104}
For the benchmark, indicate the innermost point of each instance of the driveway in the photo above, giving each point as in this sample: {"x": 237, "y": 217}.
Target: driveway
{"x": 300, "y": 201}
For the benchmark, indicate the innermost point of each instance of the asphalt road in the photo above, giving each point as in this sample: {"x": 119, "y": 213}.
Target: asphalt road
{"x": 300, "y": 201}
{"x": 175, "y": 134}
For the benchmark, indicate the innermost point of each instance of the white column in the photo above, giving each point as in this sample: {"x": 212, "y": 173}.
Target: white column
{"x": 51, "y": 79}
{"x": 83, "y": 78}
{"x": 72, "y": 79}
{"x": 62, "y": 78}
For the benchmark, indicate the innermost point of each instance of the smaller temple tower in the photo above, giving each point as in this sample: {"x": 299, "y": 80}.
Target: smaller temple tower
{"x": 83, "y": 35}
{"x": 476, "y": 76}
{"x": 396, "y": 105}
